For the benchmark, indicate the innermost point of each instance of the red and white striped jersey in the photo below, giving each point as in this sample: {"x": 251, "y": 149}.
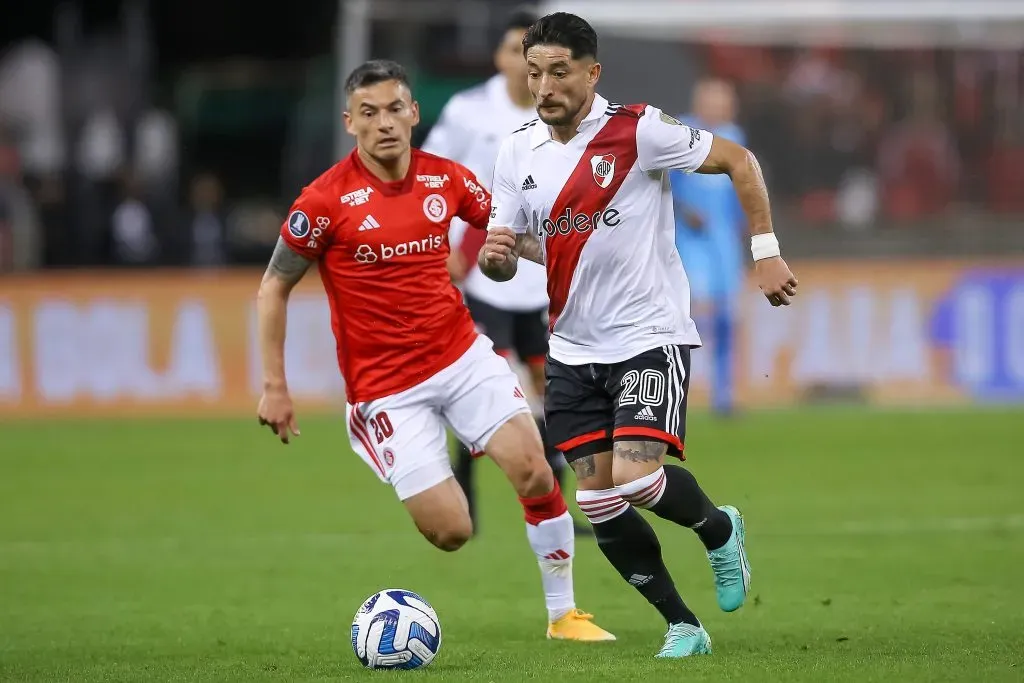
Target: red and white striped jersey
{"x": 601, "y": 207}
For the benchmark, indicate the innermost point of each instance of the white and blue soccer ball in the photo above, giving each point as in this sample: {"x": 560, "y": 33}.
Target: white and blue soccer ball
{"x": 396, "y": 629}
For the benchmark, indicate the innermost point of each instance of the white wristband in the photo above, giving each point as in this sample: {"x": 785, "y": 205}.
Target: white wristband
{"x": 765, "y": 245}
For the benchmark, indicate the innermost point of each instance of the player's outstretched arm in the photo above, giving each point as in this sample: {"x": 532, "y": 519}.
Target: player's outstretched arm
{"x": 499, "y": 257}
{"x": 285, "y": 270}
{"x": 774, "y": 277}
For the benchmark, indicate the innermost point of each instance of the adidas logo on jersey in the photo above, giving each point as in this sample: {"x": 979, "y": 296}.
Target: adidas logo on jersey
{"x": 369, "y": 223}
{"x": 646, "y": 414}
{"x": 528, "y": 184}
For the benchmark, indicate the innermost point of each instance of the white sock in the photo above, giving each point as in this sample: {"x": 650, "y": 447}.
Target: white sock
{"x": 601, "y": 505}
{"x": 554, "y": 543}
{"x": 644, "y": 492}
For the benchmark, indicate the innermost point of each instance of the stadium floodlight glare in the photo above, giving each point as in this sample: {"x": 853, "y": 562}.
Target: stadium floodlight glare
{"x": 870, "y": 23}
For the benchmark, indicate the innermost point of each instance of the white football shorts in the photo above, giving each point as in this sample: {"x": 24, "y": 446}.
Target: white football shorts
{"x": 402, "y": 437}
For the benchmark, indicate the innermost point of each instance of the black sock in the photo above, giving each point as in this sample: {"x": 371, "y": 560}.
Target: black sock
{"x": 464, "y": 476}
{"x": 630, "y": 544}
{"x": 683, "y": 502}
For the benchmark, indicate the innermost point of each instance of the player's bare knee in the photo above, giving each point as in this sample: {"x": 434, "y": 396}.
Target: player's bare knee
{"x": 636, "y": 459}
{"x": 530, "y": 473}
{"x": 451, "y": 540}
{"x": 534, "y": 478}
{"x": 441, "y": 515}
{"x": 450, "y": 537}
{"x": 518, "y": 450}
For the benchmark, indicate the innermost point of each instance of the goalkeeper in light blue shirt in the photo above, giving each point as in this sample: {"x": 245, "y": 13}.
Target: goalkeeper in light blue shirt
{"x": 709, "y": 236}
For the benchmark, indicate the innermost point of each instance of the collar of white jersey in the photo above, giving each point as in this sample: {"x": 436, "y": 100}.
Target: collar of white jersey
{"x": 542, "y": 133}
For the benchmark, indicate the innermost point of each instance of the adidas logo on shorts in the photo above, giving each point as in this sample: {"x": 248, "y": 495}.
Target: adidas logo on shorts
{"x": 646, "y": 414}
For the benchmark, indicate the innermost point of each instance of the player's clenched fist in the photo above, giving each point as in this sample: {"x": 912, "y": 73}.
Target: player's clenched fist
{"x": 498, "y": 259}
{"x": 776, "y": 280}
{"x": 276, "y": 411}
{"x": 498, "y": 246}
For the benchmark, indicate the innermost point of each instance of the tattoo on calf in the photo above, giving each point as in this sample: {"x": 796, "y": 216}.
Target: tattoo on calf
{"x": 585, "y": 466}
{"x": 640, "y": 451}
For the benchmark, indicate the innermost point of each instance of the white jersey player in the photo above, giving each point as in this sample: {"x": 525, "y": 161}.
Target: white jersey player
{"x": 600, "y": 218}
{"x": 514, "y": 314}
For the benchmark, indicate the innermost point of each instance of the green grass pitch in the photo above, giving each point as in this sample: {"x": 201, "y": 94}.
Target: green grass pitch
{"x": 885, "y": 547}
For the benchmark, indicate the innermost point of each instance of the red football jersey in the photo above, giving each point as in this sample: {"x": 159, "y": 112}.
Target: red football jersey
{"x": 382, "y": 248}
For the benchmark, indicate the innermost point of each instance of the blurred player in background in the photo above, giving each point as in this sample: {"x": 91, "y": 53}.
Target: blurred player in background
{"x": 601, "y": 218}
{"x": 376, "y": 225}
{"x": 709, "y": 229}
{"x": 514, "y": 315}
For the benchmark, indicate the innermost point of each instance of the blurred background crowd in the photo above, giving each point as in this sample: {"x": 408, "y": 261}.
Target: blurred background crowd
{"x": 141, "y": 133}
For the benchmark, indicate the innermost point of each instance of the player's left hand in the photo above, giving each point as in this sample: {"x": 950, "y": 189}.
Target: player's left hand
{"x": 776, "y": 280}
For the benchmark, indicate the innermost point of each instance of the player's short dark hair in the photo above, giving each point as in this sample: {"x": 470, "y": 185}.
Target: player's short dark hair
{"x": 521, "y": 18}
{"x": 565, "y": 30}
{"x": 373, "y": 72}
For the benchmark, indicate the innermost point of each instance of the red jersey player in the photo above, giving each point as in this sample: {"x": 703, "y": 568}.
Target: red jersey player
{"x": 376, "y": 224}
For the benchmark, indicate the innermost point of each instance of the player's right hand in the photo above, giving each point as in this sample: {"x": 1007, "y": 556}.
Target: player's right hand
{"x": 276, "y": 411}
{"x": 498, "y": 246}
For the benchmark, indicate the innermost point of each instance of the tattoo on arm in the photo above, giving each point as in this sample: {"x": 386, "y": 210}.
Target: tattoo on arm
{"x": 640, "y": 451}
{"x": 585, "y": 466}
{"x": 286, "y": 265}
{"x": 528, "y": 247}
{"x": 753, "y": 194}
{"x": 743, "y": 168}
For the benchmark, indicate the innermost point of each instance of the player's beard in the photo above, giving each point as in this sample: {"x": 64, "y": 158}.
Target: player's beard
{"x": 563, "y": 118}
{"x": 568, "y": 112}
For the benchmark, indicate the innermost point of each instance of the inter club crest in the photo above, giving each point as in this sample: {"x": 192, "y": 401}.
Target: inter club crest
{"x": 603, "y": 166}
{"x": 435, "y": 208}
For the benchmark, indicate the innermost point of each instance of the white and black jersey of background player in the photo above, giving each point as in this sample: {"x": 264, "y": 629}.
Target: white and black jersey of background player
{"x": 512, "y": 314}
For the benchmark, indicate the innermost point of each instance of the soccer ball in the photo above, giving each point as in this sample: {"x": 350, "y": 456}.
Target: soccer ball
{"x": 396, "y": 629}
